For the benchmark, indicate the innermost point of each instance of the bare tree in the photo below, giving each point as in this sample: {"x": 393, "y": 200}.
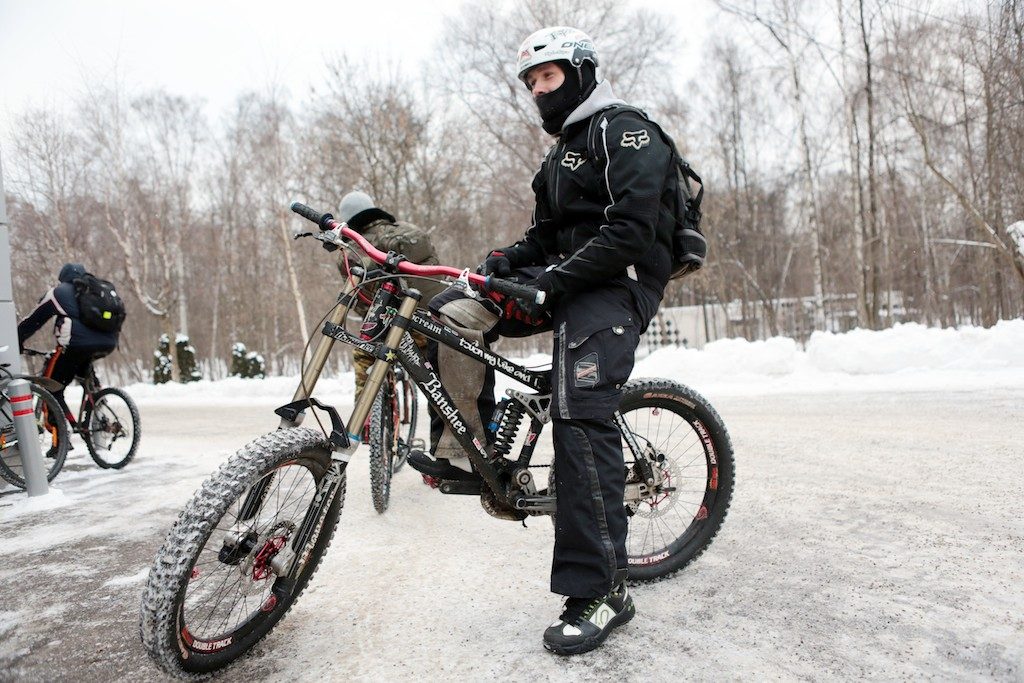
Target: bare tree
{"x": 935, "y": 109}
{"x": 782, "y": 26}
{"x": 142, "y": 225}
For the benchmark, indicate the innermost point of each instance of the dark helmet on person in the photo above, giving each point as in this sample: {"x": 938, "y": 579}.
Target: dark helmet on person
{"x": 70, "y": 272}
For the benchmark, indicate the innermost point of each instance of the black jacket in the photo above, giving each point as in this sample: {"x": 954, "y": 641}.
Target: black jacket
{"x": 69, "y": 330}
{"x": 601, "y": 222}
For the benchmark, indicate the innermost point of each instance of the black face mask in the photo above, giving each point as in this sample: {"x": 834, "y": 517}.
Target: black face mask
{"x": 556, "y": 105}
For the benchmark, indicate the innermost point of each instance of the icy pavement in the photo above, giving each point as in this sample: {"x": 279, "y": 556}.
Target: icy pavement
{"x": 872, "y": 534}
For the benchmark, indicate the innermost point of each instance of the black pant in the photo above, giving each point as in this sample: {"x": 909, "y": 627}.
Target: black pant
{"x": 66, "y": 364}
{"x": 595, "y": 338}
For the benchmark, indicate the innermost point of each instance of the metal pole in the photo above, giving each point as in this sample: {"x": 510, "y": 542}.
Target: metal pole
{"x": 19, "y": 390}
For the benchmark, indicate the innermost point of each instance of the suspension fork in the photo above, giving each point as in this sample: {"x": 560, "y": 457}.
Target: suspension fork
{"x": 328, "y": 488}
{"x": 254, "y": 499}
{"x": 639, "y": 454}
{"x": 386, "y": 356}
{"x": 323, "y": 349}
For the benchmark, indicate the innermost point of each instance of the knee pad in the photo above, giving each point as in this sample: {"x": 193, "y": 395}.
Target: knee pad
{"x": 469, "y": 314}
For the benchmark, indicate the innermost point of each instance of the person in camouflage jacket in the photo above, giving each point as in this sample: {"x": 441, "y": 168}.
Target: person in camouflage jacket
{"x": 384, "y": 232}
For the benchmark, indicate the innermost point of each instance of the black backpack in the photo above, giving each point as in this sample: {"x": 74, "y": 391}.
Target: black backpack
{"x": 689, "y": 248}
{"x": 99, "y": 306}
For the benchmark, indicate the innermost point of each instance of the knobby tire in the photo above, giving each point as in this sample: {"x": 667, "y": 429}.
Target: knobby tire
{"x": 179, "y": 642}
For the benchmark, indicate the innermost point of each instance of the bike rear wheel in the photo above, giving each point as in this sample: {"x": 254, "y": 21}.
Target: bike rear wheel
{"x": 230, "y": 567}
{"x": 54, "y": 437}
{"x": 383, "y": 445}
{"x": 111, "y": 428}
{"x": 671, "y": 527}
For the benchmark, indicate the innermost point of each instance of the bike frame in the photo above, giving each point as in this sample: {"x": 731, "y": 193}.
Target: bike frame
{"x": 409, "y": 356}
{"x": 90, "y": 386}
{"x": 398, "y": 347}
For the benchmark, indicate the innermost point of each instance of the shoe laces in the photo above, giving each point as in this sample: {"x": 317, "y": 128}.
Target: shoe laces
{"x": 576, "y": 608}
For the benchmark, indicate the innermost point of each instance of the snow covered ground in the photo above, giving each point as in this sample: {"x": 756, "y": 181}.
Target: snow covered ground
{"x": 876, "y": 531}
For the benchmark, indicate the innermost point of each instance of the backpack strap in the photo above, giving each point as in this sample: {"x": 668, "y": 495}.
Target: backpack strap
{"x": 694, "y": 202}
{"x": 609, "y": 112}
{"x": 594, "y": 150}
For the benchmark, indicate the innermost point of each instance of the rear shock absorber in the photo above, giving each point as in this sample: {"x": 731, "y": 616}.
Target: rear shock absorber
{"x": 508, "y": 427}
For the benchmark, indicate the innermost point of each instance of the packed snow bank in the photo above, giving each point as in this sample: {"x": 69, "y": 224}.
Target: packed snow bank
{"x": 272, "y": 390}
{"x": 905, "y": 357}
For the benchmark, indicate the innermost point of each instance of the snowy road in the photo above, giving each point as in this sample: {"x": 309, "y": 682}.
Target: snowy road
{"x": 871, "y": 535}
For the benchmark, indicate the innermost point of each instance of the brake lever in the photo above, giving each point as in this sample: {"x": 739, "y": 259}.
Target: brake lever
{"x": 464, "y": 284}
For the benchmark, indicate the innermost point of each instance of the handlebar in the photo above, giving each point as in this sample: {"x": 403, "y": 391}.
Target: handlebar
{"x": 321, "y": 219}
{"x": 328, "y": 224}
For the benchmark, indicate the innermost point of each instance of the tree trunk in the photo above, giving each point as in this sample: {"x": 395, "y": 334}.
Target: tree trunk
{"x": 874, "y": 244}
{"x": 810, "y": 189}
{"x": 293, "y": 279}
{"x": 180, "y": 294}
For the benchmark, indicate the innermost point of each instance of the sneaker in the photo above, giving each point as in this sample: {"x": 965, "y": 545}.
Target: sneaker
{"x": 439, "y": 468}
{"x": 586, "y": 622}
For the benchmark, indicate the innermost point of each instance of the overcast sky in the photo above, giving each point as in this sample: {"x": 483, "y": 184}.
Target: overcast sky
{"x": 216, "y": 49}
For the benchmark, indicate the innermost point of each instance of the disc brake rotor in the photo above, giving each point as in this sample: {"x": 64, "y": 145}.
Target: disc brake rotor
{"x": 660, "y": 502}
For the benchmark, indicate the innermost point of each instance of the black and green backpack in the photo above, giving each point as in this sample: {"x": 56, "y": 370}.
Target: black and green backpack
{"x": 99, "y": 305}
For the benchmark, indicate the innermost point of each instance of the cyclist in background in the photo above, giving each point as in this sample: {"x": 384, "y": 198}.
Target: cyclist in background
{"x": 78, "y": 344}
{"x": 384, "y": 232}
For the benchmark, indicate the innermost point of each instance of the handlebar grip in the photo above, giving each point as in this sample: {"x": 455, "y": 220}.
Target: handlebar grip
{"x": 516, "y": 290}
{"x": 321, "y": 219}
{"x": 306, "y": 212}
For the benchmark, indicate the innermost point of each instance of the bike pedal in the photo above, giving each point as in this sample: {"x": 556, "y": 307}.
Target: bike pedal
{"x": 432, "y": 482}
{"x": 460, "y": 488}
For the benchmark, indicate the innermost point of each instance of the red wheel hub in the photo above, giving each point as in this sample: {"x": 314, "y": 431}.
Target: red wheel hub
{"x": 261, "y": 563}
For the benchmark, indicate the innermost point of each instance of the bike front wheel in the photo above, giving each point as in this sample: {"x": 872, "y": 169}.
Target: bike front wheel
{"x": 52, "y": 432}
{"x": 112, "y": 428}
{"x": 383, "y": 446}
{"x": 242, "y": 551}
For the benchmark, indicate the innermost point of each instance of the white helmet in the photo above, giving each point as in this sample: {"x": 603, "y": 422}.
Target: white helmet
{"x": 556, "y": 43}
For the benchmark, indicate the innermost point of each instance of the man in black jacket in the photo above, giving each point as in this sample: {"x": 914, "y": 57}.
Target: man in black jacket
{"x": 78, "y": 345}
{"x": 600, "y": 247}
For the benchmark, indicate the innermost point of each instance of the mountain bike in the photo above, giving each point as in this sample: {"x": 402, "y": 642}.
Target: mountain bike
{"x": 253, "y": 535}
{"x": 107, "y": 420}
{"x": 54, "y": 439}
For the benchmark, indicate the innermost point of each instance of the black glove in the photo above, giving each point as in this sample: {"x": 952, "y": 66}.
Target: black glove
{"x": 528, "y": 310}
{"x": 496, "y": 264}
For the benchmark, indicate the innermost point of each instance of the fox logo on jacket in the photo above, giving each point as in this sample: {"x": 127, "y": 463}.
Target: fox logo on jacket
{"x": 637, "y": 139}
{"x": 573, "y": 160}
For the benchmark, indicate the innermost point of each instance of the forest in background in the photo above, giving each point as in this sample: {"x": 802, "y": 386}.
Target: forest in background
{"x": 864, "y": 158}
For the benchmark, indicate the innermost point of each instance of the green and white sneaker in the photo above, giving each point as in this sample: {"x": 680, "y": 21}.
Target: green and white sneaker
{"x": 586, "y": 622}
